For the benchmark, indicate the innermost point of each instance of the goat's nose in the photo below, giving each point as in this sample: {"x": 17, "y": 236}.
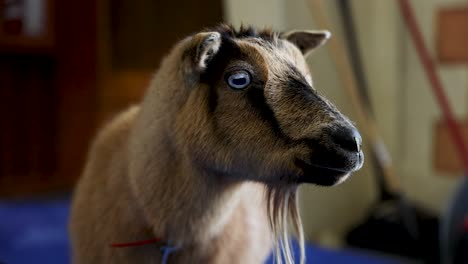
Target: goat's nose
{"x": 348, "y": 138}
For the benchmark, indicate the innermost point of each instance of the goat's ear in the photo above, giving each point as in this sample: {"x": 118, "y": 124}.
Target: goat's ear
{"x": 205, "y": 46}
{"x": 307, "y": 40}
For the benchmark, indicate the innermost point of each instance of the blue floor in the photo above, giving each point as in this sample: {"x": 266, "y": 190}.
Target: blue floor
{"x": 35, "y": 231}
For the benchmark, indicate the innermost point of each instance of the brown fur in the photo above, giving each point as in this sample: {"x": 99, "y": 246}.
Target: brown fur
{"x": 209, "y": 169}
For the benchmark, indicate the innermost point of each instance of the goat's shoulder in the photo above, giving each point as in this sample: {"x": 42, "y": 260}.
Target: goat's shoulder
{"x": 108, "y": 148}
{"x": 116, "y": 132}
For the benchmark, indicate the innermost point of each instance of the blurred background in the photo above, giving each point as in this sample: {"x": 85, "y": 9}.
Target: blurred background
{"x": 68, "y": 66}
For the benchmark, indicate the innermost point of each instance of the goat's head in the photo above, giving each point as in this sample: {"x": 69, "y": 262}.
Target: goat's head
{"x": 241, "y": 106}
{"x": 251, "y": 112}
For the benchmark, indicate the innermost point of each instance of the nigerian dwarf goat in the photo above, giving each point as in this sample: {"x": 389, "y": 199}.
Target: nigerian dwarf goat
{"x": 211, "y": 159}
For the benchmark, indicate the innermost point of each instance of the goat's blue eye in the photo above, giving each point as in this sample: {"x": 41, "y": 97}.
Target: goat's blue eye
{"x": 239, "y": 80}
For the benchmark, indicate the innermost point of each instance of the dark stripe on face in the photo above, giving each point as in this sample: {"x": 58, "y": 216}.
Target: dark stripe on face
{"x": 215, "y": 68}
{"x": 212, "y": 99}
{"x": 299, "y": 90}
{"x": 297, "y": 82}
{"x": 257, "y": 99}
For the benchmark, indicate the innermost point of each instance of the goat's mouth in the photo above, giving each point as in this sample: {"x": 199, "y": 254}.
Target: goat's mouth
{"x": 322, "y": 174}
{"x": 331, "y": 156}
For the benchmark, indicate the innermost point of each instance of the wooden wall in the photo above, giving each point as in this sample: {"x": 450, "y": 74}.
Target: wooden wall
{"x": 98, "y": 60}
{"x": 48, "y": 102}
{"x": 27, "y": 119}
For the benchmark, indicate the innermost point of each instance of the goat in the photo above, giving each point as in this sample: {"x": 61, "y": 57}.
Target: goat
{"x": 210, "y": 161}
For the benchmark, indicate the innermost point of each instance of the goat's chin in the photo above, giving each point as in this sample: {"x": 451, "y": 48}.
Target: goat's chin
{"x": 323, "y": 176}
{"x": 330, "y": 181}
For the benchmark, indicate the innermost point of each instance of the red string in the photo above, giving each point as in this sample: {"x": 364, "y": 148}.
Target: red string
{"x": 137, "y": 243}
{"x": 465, "y": 224}
{"x": 436, "y": 84}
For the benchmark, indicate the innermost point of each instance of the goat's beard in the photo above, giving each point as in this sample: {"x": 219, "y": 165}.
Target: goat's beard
{"x": 283, "y": 204}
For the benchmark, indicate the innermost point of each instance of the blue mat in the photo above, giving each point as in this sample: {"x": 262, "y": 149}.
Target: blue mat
{"x": 35, "y": 231}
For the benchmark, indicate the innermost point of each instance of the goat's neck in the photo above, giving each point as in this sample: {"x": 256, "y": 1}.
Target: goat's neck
{"x": 191, "y": 206}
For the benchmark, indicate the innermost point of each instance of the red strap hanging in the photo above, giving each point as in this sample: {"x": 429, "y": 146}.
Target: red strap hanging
{"x": 436, "y": 84}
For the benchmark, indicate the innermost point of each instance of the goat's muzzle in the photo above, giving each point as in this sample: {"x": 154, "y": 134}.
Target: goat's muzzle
{"x": 334, "y": 155}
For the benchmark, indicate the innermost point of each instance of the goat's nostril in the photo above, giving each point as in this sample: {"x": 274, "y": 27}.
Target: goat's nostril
{"x": 348, "y": 139}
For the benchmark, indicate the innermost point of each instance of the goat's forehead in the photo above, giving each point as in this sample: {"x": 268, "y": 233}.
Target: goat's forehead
{"x": 278, "y": 56}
